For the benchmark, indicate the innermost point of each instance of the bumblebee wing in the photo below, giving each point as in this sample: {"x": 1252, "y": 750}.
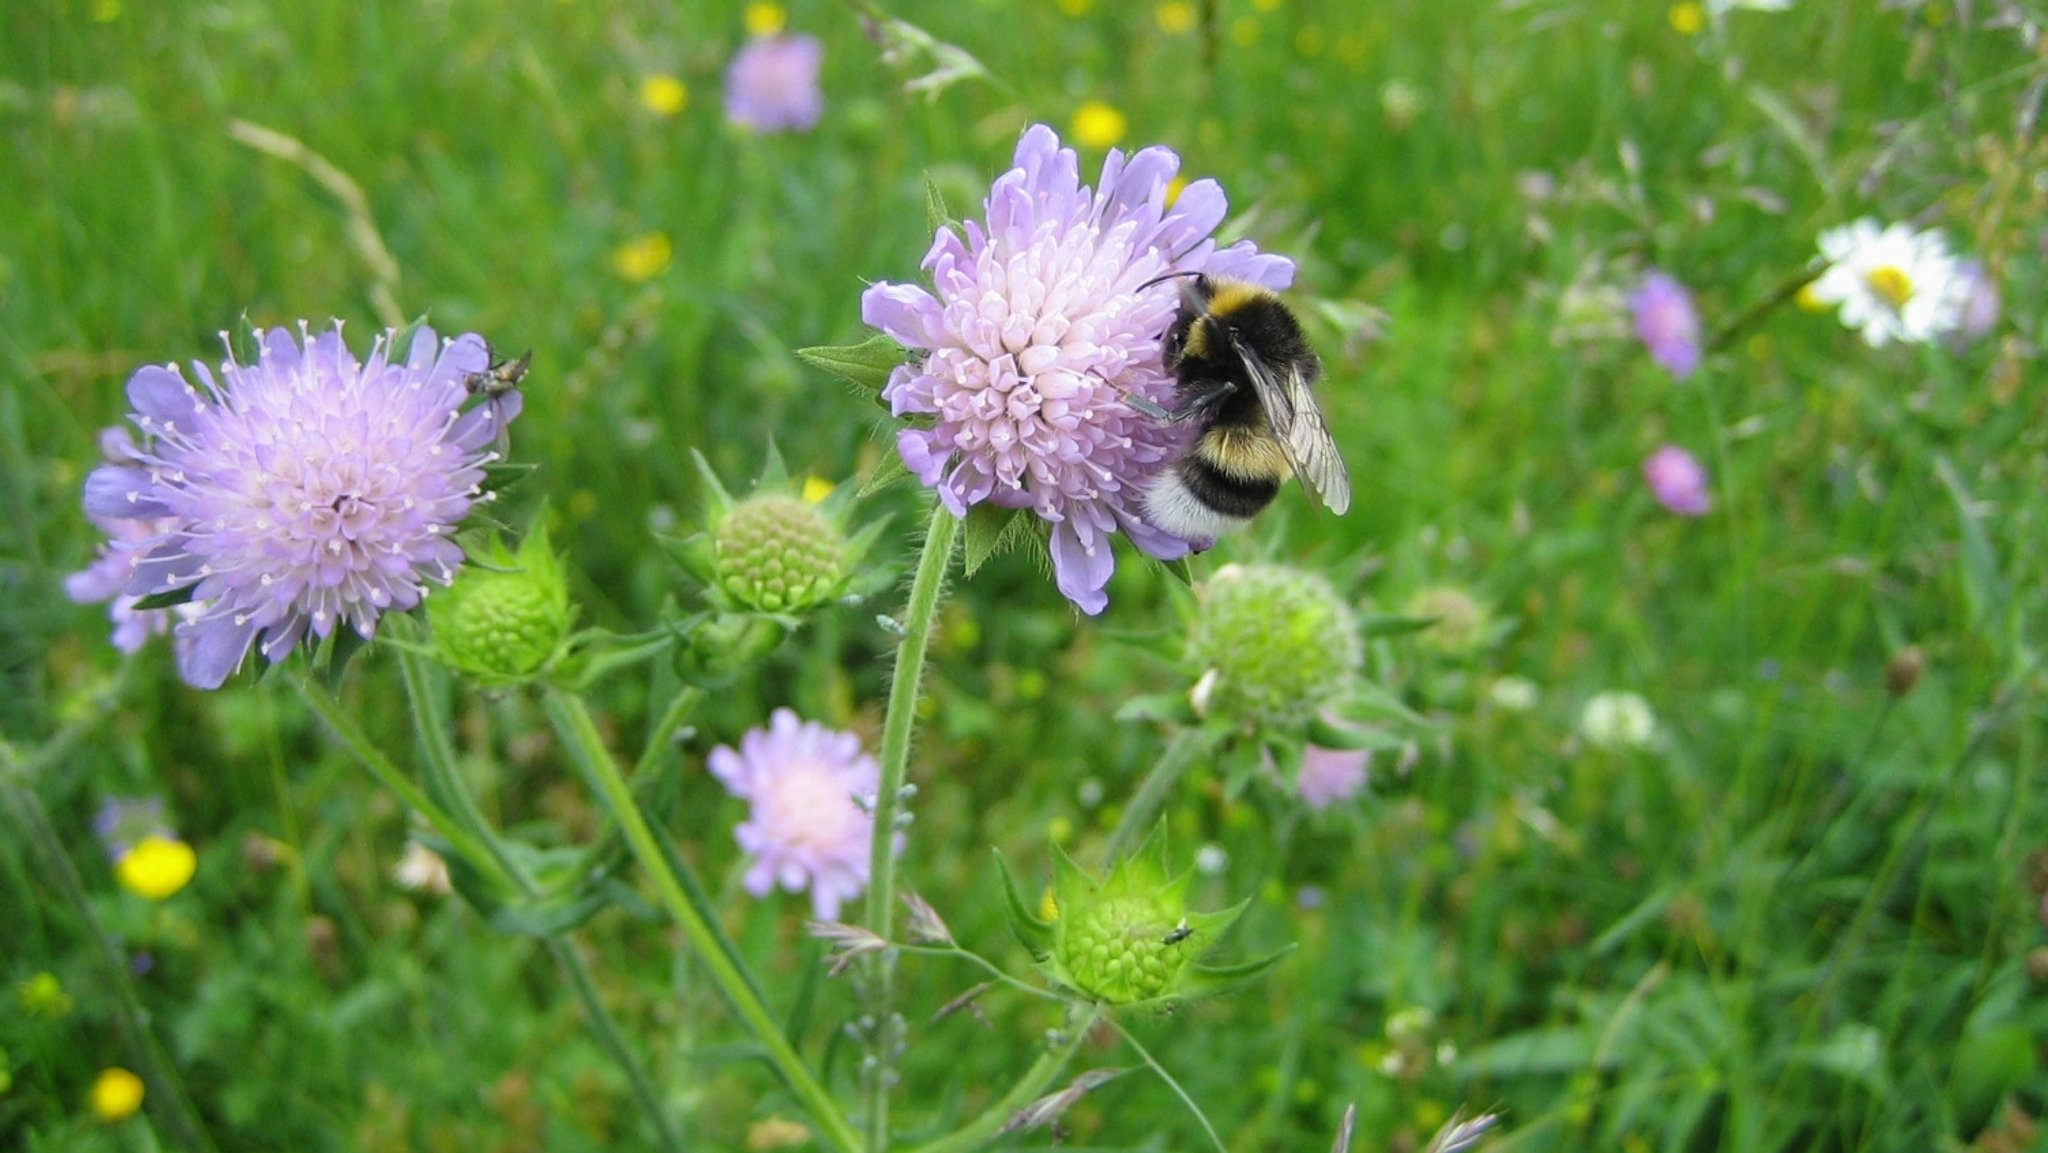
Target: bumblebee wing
{"x": 1298, "y": 426}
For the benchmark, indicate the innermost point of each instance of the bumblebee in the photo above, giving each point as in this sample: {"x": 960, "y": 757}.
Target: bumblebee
{"x": 1243, "y": 371}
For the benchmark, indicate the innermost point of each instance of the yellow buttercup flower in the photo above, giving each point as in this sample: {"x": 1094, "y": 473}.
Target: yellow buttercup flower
{"x": 1688, "y": 18}
{"x": 157, "y": 867}
{"x": 764, "y": 19}
{"x": 644, "y": 257}
{"x": 116, "y": 1094}
{"x": 1174, "y": 188}
{"x": 1098, "y": 125}
{"x": 664, "y": 95}
{"x": 1175, "y": 16}
{"x": 816, "y": 489}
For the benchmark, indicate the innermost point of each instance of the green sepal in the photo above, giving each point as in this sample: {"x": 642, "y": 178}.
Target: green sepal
{"x": 1181, "y": 570}
{"x": 1035, "y": 935}
{"x": 865, "y": 365}
{"x": 169, "y": 598}
{"x": 331, "y": 658}
{"x": 990, "y": 530}
{"x": 936, "y": 215}
{"x": 597, "y": 653}
{"x": 1366, "y": 703}
{"x": 1323, "y": 733}
{"x": 1170, "y": 708}
{"x": 887, "y": 471}
{"x": 1393, "y": 625}
{"x": 1209, "y": 981}
{"x": 718, "y": 500}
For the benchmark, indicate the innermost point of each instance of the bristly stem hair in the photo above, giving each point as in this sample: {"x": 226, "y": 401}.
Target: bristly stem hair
{"x": 904, "y": 689}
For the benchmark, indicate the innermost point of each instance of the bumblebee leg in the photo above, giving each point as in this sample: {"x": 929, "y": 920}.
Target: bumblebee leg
{"x": 1200, "y": 399}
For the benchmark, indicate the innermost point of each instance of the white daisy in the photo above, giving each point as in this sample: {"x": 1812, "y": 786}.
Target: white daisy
{"x": 1891, "y": 283}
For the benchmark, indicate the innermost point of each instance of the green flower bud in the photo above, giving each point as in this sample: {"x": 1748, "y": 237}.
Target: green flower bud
{"x": 1129, "y": 937}
{"x": 504, "y": 620}
{"x": 1463, "y": 625}
{"x": 1272, "y": 644}
{"x": 777, "y": 553}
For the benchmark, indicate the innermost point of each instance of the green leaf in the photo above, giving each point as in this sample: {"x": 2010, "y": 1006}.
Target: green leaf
{"x": 716, "y": 499}
{"x": 988, "y": 531}
{"x": 1393, "y": 625}
{"x": 1539, "y": 1052}
{"x": 169, "y": 598}
{"x": 866, "y": 365}
{"x": 1172, "y": 708}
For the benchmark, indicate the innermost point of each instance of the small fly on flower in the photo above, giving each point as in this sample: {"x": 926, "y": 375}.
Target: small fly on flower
{"x": 500, "y": 378}
{"x": 496, "y": 382}
{"x": 1181, "y": 932}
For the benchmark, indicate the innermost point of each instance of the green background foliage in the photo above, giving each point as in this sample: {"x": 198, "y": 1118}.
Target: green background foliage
{"x": 1800, "y": 921}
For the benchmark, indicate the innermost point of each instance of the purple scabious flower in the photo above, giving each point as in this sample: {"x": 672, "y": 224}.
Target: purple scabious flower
{"x": 1038, "y": 324}
{"x": 1331, "y": 775}
{"x": 104, "y": 578}
{"x": 298, "y": 492}
{"x": 772, "y": 84}
{"x": 811, "y": 824}
{"x": 1667, "y": 323}
{"x": 1677, "y": 481}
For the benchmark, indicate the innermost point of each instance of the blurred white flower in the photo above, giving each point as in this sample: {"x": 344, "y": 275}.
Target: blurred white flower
{"x": 421, "y": 870}
{"x": 1513, "y": 694}
{"x": 1211, "y": 860}
{"x": 1618, "y": 720}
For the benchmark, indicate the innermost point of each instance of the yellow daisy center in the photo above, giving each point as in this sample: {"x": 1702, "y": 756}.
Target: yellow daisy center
{"x": 1891, "y": 282}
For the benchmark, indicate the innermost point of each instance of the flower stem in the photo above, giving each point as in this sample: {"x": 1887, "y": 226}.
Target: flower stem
{"x": 430, "y": 720}
{"x": 1165, "y": 773}
{"x": 366, "y": 752}
{"x": 165, "y": 1092}
{"x": 897, "y": 722}
{"x": 572, "y": 720}
{"x": 1030, "y": 1087}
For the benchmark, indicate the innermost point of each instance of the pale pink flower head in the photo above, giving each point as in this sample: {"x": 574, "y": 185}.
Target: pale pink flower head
{"x": 1040, "y": 320}
{"x": 1677, "y": 481}
{"x": 812, "y": 823}
{"x": 772, "y": 84}
{"x": 1331, "y": 775}
{"x": 1667, "y": 323}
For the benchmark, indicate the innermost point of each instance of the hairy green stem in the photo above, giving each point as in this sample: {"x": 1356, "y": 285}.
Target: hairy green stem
{"x": 1165, "y": 773}
{"x": 573, "y": 721}
{"x": 897, "y": 722}
{"x": 165, "y": 1092}
{"x": 444, "y": 776}
{"x": 1030, "y": 1087}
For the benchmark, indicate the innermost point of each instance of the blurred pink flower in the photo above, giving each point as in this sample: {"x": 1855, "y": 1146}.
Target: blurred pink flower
{"x": 1331, "y": 775}
{"x": 811, "y": 825}
{"x": 772, "y": 84}
{"x": 1677, "y": 481}
{"x": 1667, "y": 323}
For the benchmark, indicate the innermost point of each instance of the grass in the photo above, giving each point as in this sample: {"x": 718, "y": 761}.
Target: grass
{"x": 1801, "y": 922}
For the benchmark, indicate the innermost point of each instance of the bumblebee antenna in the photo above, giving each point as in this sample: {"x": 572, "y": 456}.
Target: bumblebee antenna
{"x": 1166, "y": 276}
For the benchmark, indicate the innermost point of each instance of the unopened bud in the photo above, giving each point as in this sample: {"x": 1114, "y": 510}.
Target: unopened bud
{"x": 503, "y": 622}
{"x": 1279, "y": 642}
{"x": 1902, "y": 672}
